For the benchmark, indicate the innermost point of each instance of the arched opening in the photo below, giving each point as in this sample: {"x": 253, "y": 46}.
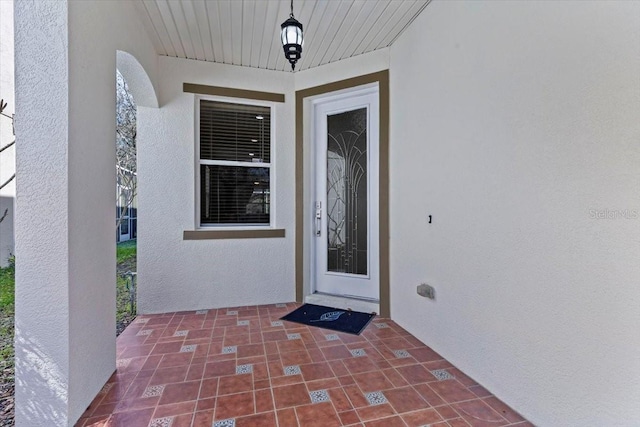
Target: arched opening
{"x": 133, "y": 88}
{"x": 137, "y": 79}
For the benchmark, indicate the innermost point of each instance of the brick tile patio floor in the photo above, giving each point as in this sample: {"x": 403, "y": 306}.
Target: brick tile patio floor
{"x": 243, "y": 366}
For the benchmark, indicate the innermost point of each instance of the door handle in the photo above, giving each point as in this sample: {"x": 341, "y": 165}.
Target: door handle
{"x": 318, "y": 219}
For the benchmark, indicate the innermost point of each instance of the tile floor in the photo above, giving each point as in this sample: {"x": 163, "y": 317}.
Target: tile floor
{"x": 245, "y": 367}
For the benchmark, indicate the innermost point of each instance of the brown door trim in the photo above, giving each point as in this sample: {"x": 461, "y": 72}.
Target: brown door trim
{"x": 382, "y": 78}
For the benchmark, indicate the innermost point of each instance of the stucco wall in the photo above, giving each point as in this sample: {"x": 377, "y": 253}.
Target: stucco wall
{"x": 515, "y": 124}
{"x": 8, "y": 156}
{"x": 177, "y": 274}
{"x": 359, "y": 65}
{"x": 42, "y": 304}
{"x": 65, "y": 276}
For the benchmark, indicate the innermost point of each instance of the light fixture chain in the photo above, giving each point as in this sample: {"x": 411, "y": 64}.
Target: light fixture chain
{"x": 291, "y": 35}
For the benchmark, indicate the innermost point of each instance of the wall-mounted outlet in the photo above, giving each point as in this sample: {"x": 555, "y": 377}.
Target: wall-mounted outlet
{"x": 426, "y": 291}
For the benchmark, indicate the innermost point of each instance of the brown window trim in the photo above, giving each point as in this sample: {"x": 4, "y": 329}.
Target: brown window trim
{"x": 232, "y": 234}
{"x": 232, "y": 93}
{"x": 243, "y": 94}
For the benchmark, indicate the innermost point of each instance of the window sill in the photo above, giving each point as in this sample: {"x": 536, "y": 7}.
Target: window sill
{"x": 232, "y": 234}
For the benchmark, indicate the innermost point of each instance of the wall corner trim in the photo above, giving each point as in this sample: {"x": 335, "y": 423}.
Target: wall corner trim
{"x": 232, "y": 93}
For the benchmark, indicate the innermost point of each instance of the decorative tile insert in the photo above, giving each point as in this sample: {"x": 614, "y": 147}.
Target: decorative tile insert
{"x": 276, "y": 323}
{"x": 401, "y": 354}
{"x": 319, "y": 396}
{"x": 141, "y": 320}
{"x": 181, "y": 333}
{"x": 202, "y": 311}
{"x": 243, "y": 323}
{"x": 153, "y": 391}
{"x": 232, "y": 313}
{"x": 161, "y": 422}
{"x": 293, "y": 336}
{"x": 292, "y": 370}
{"x": 358, "y": 352}
{"x": 244, "y": 369}
{"x": 229, "y": 349}
{"x": 381, "y": 325}
{"x": 225, "y": 423}
{"x": 144, "y": 332}
{"x": 122, "y": 363}
{"x": 281, "y": 305}
{"x": 442, "y": 374}
{"x": 332, "y": 337}
{"x": 376, "y": 398}
{"x": 188, "y": 348}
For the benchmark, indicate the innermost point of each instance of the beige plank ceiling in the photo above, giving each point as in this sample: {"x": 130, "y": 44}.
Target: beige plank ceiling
{"x": 247, "y": 32}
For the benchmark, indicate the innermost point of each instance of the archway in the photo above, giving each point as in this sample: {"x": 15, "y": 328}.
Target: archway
{"x": 137, "y": 79}
{"x": 133, "y": 89}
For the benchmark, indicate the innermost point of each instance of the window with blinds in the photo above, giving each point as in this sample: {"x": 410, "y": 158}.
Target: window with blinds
{"x": 235, "y": 164}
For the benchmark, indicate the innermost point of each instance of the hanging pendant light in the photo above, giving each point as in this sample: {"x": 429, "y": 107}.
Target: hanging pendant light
{"x": 291, "y": 35}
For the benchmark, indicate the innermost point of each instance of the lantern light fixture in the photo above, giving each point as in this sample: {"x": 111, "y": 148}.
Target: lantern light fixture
{"x": 292, "y": 40}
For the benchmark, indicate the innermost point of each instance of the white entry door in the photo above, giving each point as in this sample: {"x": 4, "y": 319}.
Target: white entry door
{"x": 346, "y": 213}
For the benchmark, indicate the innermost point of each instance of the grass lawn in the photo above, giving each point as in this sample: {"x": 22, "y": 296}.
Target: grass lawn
{"x": 7, "y": 299}
{"x": 126, "y": 261}
{"x": 7, "y": 284}
{"x": 126, "y": 252}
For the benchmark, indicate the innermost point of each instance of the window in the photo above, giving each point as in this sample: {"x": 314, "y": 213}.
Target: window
{"x": 234, "y": 164}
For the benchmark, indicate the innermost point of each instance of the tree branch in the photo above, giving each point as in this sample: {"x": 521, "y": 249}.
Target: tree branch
{"x": 8, "y": 181}
{"x": 7, "y": 146}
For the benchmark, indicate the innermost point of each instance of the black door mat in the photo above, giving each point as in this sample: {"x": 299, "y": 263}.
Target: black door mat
{"x": 351, "y": 322}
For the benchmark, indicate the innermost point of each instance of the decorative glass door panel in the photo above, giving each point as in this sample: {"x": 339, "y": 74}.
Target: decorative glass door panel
{"x": 346, "y": 229}
{"x": 347, "y": 192}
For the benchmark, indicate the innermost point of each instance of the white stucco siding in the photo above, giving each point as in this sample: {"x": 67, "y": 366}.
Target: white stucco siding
{"x": 177, "y": 274}
{"x": 515, "y": 124}
{"x": 65, "y": 221}
{"x": 356, "y": 66}
{"x": 42, "y": 305}
{"x": 97, "y": 30}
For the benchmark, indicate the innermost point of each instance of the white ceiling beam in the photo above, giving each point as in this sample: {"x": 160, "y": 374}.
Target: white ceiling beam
{"x": 195, "y": 30}
{"x": 225, "y": 23}
{"x": 170, "y": 25}
{"x": 161, "y": 29}
{"x": 271, "y": 26}
{"x": 184, "y": 33}
{"x": 364, "y": 10}
{"x": 397, "y": 16}
{"x": 147, "y": 23}
{"x": 215, "y": 32}
{"x": 237, "y": 31}
{"x": 314, "y": 31}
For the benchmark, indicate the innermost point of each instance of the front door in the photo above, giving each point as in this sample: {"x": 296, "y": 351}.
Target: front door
{"x": 346, "y": 213}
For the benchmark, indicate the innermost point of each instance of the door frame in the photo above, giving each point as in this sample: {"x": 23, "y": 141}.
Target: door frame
{"x": 304, "y": 192}
{"x": 323, "y": 106}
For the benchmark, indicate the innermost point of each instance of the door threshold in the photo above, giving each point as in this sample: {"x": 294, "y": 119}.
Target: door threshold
{"x": 344, "y": 303}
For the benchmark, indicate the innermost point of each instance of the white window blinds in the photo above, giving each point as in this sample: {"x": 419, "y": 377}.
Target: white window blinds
{"x": 235, "y": 169}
